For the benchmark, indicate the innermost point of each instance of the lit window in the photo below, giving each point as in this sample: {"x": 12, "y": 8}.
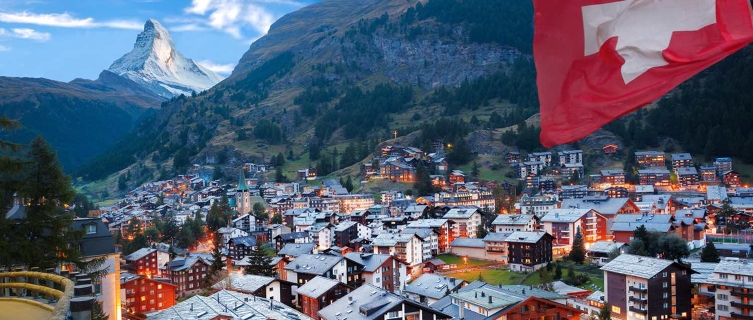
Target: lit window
{"x": 143, "y": 298}
{"x": 616, "y": 310}
{"x": 91, "y": 229}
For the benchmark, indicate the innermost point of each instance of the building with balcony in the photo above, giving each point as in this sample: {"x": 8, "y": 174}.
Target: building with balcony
{"x": 687, "y": 176}
{"x": 307, "y": 266}
{"x": 144, "y": 294}
{"x": 515, "y": 222}
{"x": 405, "y": 247}
{"x": 354, "y": 202}
{"x": 654, "y": 177}
{"x": 681, "y": 160}
{"x": 598, "y": 253}
{"x": 429, "y": 288}
{"x": 571, "y": 157}
{"x": 537, "y": 205}
{"x": 722, "y": 165}
{"x": 639, "y": 287}
{"x": 733, "y": 280}
{"x": 440, "y": 226}
{"x": 650, "y": 158}
{"x": 615, "y": 177}
{"x": 544, "y": 157}
{"x": 529, "y": 251}
{"x": 708, "y": 174}
{"x": 464, "y": 221}
{"x": 187, "y": 273}
{"x": 369, "y": 302}
{"x": 143, "y": 262}
{"x": 318, "y": 293}
{"x": 564, "y": 224}
{"x": 239, "y": 248}
{"x": 382, "y": 270}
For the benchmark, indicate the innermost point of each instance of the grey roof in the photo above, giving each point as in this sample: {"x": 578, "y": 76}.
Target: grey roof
{"x": 603, "y": 205}
{"x": 243, "y": 282}
{"x": 16, "y": 213}
{"x": 371, "y": 262}
{"x": 460, "y": 213}
{"x": 612, "y": 172}
{"x": 293, "y": 236}
{"x": 391, "y": 239}
{"x": 180, "y": 264}
{"x": 638, "y": 266}
{"x": 649, "y": 152}
{"x": 661, "y": 200}
{"x": 513, "y": 219}
{"x": 733, "y": 246}
{"x": 99, "y": 243}
{"x": 681, "y": 156}
{"x": 497, "y": 236}
{"x": 344, "y": 225}
{"x": 236, "y": 305}
{"x": 597, "y": 296}
{"x": 433, "y": 286}
{"x": 686, "y": 171}
{"x": 248, "y": 241}
{"x": 317, "y": 286}
{"x": 422, "y": 233}
{"x": 605, "y": 246}
{"x": 427, "y": 223}
{"x": 143, "y": 252}
{"x": 368, "y": 302}
{"x": 567, "y": 215}
{"x": 317, "y": 264}
{"x": 526, "y": 236}
{"x": 297, "y": 249}
{"x": 704, "y": 269}
{"x": 630, "y": 226}
{"x": 734, "y": 266}
{"x": 528, "y": 291}
{"x": 468, "y": 242}
{"x": 415, "y": 208}
{"x": 716, "y": 193}
{"x": 565, "y": 289}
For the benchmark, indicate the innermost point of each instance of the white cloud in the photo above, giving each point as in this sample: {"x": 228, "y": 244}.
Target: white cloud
{"x": 26, "y": 33}
{"x": 217, "y": 68}
{"x": 232, "y": 16}
{"x": 65, "y": 20}
{"x": 4, "y": 48}
{"x": 187, "y": 27}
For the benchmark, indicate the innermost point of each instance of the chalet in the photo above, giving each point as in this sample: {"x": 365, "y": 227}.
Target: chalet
{"x": 239, "y": 248}
{"x": 610, "y": 149}
{"x": 529, "y": 251}
{"x": 457, "y": 176}
{"x": 604, "y": 205}
{"x": 144, "y": 294}
{"x": 529, "y": 168}
{"x": 569, "y": 170}
{"x": 687, "y": 176}
{"x": 574, "y": 192}
{"x": 245, "y": 222}
{"x": 307, "y": 266}
{"x": 381, "y": 270}
{"x": 547, "y": 184}
{"x": 294, "y": 250}
{"x": 512, "y": 157}
{"x": 307, "y": 174}
{"x": 440, "y": 226}
{"x": 429, "y": 241}
{"x": 258, "y": 286}
{"x": 708, "y": 174}
{"x": 370, "y": 302}
{"x": 722, "y": 165}
{"x": 227, "y": 305}
{"x": 406, "y": 247}
{"x": 464, "y": 221}
{"x": 480, "y": 300}
{"x": 624, "y": 225}
{"x": 345, "y": 232}
{"x": 143, "y": 262}
{"x": 617, "y": 192}
{"x": 318, "y": 293}
{"x": 654, "y": 177}
{"x": 229, "y": 233}
{"x": 188, "y": 273}
{"x": 537, "y": 205}
{"x": 293, "y": 237}
{"x": 429, "y": 288}
{"x": 396, "y": 169}
{"x": 731, "y": 179}
{"x": 681, "y": 160}
{"x": 574, "y": 157}
{"x": 515, "y": 222}
{"x": 650, "y": 158}
{"x": 416, "y": 211}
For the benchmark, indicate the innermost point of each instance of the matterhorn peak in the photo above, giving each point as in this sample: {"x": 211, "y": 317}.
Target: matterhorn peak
{"x": 157, "y": 65}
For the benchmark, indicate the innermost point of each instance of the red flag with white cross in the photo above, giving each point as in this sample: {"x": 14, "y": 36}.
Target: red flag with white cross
{"x": 598, "y": 60}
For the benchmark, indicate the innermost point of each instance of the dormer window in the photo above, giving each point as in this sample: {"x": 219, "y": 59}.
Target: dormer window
{"x": 91, "y": 228}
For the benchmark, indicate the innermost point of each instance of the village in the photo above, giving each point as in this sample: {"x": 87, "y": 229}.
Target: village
{"x": 469, "y": 250}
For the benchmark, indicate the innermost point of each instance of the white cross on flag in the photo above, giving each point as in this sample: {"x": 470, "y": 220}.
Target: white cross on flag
{"x": 598, "y": 60}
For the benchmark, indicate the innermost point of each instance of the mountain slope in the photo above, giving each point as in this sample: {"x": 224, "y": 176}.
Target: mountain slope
{"x": 340, "y": 70}
{"x": 155, "y": 64}
{"x": 79, "y": 119}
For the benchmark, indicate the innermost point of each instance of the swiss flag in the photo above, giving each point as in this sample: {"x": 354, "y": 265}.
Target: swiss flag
{"x": 597, "y": 60}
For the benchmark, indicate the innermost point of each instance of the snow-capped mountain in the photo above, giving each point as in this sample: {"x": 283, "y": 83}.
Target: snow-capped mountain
{"x": 157, "y": 65}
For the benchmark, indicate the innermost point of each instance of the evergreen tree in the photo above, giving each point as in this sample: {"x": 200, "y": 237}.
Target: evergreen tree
{"x": 545, "y": 280}
{"x": 638, "y": 247}
{"x": 481, "y": 231}
{"x": 641, "y": 233}
{"x": 423, "y": 184}
{"x": 260, "y": 263}
{"x": 605, "y": 313}
{"x": 260, "y": 212}
{"x": 151, "y": 234}
{"x": 314, "y": 151}
{"x": 578, "y": 253}
{"x": 349, "y": 184}
{"x": 673, "y": 247}
{"x": 709, "y": 253}
{"x": 277, "y": 218}
{"x": 279, "y": 176}
{"x": 558, "y": 272}
{"x": 475, "y": 170}
{"x": 197, "y": 226}
{"x": 97, "y": 313}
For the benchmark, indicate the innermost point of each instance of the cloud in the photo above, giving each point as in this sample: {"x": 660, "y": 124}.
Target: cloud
{"x": 187, "y": 27}
{"x": 25, "y": 33}
{"x": 232, "y": 16}
{"x": 65, "y": 20}
{"x": 4, "y": 48}
{"x": 217, "y": 68}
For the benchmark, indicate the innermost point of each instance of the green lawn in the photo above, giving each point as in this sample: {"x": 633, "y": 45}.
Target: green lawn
{"x": 492, "y": 276}
{"x": 453, "y": 259}
{"x": 596, "y": 276}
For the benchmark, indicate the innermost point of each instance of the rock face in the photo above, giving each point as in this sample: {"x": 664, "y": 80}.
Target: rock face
{"x": 155, "y": 64}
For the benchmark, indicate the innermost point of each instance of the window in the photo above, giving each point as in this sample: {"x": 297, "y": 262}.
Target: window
{"x": 143, "y": 298}
{"x": 91, "y": 228}
{"x": 722, "y": 307}
{"x": 665, "y": 295}
{"x": 722, "y": 276}
{"x": 616, "y": 310}
{"x": 684, "y": 272}
{"x": 666, "y": 305}
{"x": 722, "y": 297}
{"x": 664, "y": 274}
{"x": 738, "y": 277}
{"x": 159, "y": 286}
{"x": 665, "y": 284}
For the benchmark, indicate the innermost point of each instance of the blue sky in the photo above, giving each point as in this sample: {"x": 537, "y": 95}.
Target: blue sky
{"x": 68, "y": 39}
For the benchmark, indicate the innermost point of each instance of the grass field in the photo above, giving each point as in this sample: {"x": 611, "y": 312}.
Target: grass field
{"x": 594, "y": 273}
{"x": 453, "y": 259}
{"x": 492, "y": 276}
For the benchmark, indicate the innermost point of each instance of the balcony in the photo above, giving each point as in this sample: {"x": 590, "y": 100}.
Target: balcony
{"x": 741, "y": 305}
{"x": 33, "y": 294}
{"x": 738, "y": 293}
{"x": 637, "y": 310}
{"x": 637, "y": 289}
{"x": 736, "y": 315}
{"x": 638, "y": 300}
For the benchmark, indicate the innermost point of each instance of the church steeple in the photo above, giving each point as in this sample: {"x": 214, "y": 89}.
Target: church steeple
{"x": 242, "y": 182}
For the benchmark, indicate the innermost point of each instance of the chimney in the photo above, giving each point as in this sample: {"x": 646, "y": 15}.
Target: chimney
{"x": 475, "y": 294}
{"x": 490, "y": 299}
{"x": 524, "y": 291}
{"x": 483, "y": 294}
{"x": 192, "y": 306}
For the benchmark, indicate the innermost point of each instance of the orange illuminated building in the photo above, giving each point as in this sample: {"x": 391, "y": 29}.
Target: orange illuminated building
{"x": 142, "y": 262}
{"x": 143, "y": 295}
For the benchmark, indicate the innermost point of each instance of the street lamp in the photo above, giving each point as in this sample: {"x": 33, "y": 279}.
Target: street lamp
{"x": 465, "y": 261}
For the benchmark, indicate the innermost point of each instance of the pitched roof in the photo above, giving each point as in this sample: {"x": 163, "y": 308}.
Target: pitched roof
{"x": 317, "y": 264}
{"x": 638, "y": 266}
{"x": 368, "y": 302}
{"x": 526, "y": 236}
{"x": 293, "y": 236}
{"x": 468, "y": 243}
{"x": 242, "y": 182}
{"x": 371, "y": 262}
{"x": 243, "y": 282}
{"x": 732, "y": 266}
{"x": 234, "y": 305}
{"x": 460, "y": 213}
{"x": 143, "y": 252}
{"x": 513, "y": 219}
{"x": 248, "y": 241}
{"x": 297, "y": 249}
{"x": 427, "y": 223}
{"x": 566, "y": 215}
{"x": 605, "y": 246}
{"x": 433, "y": 285}
{"x": 497, "y": 236}
{"x": 317, "y": 286}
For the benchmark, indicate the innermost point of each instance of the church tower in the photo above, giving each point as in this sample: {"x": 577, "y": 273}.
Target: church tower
{"x": 242, "y": 196}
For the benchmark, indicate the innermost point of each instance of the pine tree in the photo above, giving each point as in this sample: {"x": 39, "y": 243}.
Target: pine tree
{"x": 558, "y": 272}
{"x": 605, "y": 313}
{"x": 279, "y": 176}
{"x": 641, "y": 233}
{"x": 475, "y": 170}
{"x": 709, "y": 253}
{"x": 481, "y": 231}
{"x": 578, "y": 253}
{"x": 349, "y": 184}
{"x": 276, "y": 218}
{"x": 97, "y": 313}
{"x": 260, "y": 263}
{"x": 423, "y": 184}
